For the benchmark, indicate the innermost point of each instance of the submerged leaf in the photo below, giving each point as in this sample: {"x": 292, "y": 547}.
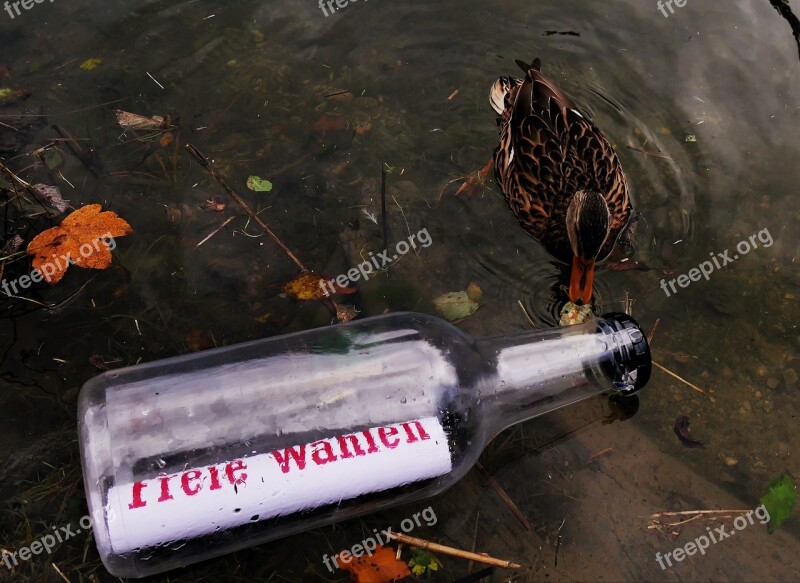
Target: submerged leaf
{"x": 455, "y": 305}
{"x": 422, "y": 560}
{"x": 312, "y": 286}
{"x": 258, "y": 184}
{"x": 779, "y": 500}
{"x": 574, "y": 314}
{"x": 80, "y": 239}
{"x": 53, "y": 196}
{"x": 134, "y": 121}
{"x": 381, "y": 567}
{"x": 9, "y": 94}
{"x": 214, "y": 205}
{"x": 52, "y": 159}
{"x": 90, "y": 64}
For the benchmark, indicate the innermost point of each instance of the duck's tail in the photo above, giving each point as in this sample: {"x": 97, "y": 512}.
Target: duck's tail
{"x": 503, "y": 86}
{"x": 499, "y": 90}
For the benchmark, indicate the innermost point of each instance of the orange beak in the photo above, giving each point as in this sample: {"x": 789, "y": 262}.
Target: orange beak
{"x": 581, "y": 280}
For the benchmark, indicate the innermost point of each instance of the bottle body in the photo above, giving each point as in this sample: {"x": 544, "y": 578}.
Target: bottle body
{"x": 199, "y": 455}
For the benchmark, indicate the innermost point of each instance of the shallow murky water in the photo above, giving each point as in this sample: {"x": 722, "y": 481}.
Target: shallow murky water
{"x": 702, "y": 106}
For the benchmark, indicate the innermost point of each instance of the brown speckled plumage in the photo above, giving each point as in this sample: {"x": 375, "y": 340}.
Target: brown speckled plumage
{"x": 547, "y": 153}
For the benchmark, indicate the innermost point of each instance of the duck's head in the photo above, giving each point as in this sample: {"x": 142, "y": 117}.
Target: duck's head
{"x": 588, "y": 224}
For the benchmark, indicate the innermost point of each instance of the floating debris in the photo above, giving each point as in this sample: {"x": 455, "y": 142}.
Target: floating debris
{"x": 682, "y": 431}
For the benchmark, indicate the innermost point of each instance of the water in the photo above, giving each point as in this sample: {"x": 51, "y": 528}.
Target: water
{"x": 711, "y": 89}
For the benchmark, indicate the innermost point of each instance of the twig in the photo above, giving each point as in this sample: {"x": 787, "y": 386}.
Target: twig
{"x": 75, "y": 148}
{"x": 453, "y": 552}
{"x": 383, "y": 207}
{"x": 405, "y": 220}
{"x": 215, "y": 231}
{"x": 24, "y": 184}
{"x": 524, "y": 311}
{"x": 154, "y": 80}
{"x": 687, "y": 512}
{"x": 683, "y": 380}
{"x": 654, "y": 154}
{"x": 654, "y": 521}
{"x": 505, "y": 497}
{"x": 210, "y": 169}
{"x": 64, "y": 577}
{"x": 653, "y": 332}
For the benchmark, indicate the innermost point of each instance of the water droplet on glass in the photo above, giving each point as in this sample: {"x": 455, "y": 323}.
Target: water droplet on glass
{"x": 403, "y": 400}
{"x": 161, "y": 463}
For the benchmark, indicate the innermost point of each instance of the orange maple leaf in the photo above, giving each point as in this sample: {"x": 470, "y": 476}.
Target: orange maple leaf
{"x": 381, "y": 567}
{"x": 312, "y": 286}
{"x": 80, "y": 239}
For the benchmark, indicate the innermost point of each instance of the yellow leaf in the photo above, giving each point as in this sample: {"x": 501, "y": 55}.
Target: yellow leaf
{"x": 90, "y": 64}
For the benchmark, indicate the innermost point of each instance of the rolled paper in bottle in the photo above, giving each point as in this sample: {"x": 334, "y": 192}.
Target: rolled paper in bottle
{"x": 224, "y": 495}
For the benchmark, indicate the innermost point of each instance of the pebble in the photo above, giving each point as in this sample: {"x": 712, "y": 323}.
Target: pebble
{"x": 772, "y": 383}
{"x": 790, "y": 377}
{"x": 757, "y": 395}
{"x": 730, "y": 461}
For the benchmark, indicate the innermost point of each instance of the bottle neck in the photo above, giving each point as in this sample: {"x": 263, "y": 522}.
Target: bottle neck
{"x": 542, "y": 370}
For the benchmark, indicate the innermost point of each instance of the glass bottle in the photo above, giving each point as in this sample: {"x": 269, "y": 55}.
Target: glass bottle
{"x": 203, "y": 454}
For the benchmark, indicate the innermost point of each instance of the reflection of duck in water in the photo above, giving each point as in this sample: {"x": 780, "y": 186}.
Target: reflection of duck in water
{"x": 558, "y": 173}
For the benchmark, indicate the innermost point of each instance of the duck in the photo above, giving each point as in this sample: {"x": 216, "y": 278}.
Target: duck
{"x": 558, "y": 173}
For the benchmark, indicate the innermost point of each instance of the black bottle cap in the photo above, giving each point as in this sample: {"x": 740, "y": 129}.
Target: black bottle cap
{"x": 630, "y": 368}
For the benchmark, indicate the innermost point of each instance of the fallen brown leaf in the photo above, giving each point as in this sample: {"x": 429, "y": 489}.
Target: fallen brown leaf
{"x": 134, "y": 121}
{"x": 214, "y": 205}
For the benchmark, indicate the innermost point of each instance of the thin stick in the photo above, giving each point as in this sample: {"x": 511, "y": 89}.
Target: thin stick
{"x": 654, "y": 154}
{"x": 505, "y": 497}
{"x": 24, "y": 184}
{"x": 687, "y": 512}
{"x": 653, "y": 332}
{"x": 524, "y": 311}
{"x": 215, "y": 231}
{"x": 383, "y": 207}
{"x": 242, "y": 203}
{"x": 437, "y": 548}
{"x": 684, "y": 381}
{"x": 154, "y": 80}
{"x": 64, "y": 577}
{"x": 75, "y": 148}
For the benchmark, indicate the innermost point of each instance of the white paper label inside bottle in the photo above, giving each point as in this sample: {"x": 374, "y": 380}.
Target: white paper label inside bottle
{"x": 220, "y": 496}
